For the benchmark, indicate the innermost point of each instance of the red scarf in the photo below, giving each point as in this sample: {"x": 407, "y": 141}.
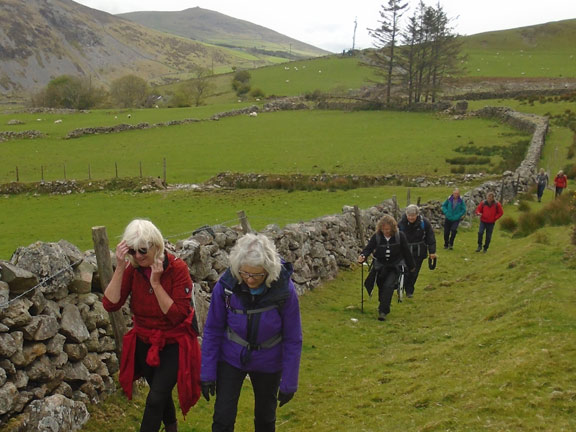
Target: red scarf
{"x": 188, "y": 359}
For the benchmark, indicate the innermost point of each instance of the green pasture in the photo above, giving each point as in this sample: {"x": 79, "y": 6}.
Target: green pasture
{"x": 25, "y": 219}
{"x": 546, "y": 51}
{"x": 558, "y": 139}
{"x": 306, "y": 142}
{"x": 486, "y": 344}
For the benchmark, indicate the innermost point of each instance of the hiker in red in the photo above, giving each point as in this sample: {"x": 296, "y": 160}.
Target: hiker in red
{"x": 561, "y": 182}
{"x": 489, "y": 211}
{"x": 162, "y": 346}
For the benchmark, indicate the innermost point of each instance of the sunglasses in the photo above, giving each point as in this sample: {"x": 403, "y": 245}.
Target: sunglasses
{"x": 141, "y": 251}
{"x": 247, "y": 275}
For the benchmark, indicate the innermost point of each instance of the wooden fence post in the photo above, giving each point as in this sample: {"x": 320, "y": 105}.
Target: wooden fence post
{"x": 116, "y": 168}
{"x": 246, "y": 228}
{"x": 89, "y": 173}
{"x": 140, "y": 169}
{"x": 395, "y": 201}
{"x": 408, "y": 197}
{"x": 17, "y": 175}
{"x": 359, "y": 225}
{"x": 164, "y": 165}
{"x": 102, "y": 250}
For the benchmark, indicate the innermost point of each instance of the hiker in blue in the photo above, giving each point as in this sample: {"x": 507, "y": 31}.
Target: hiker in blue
{"x": 391, "y": 257}
{"x": 421, "y": 239}
{"x": 253, "y": 328}
{"x": 454, "y": 209}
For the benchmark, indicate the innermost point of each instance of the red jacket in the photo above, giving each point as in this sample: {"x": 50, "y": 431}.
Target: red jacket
{"x": 561, "y": 181}
{"x": 489, "y": 213}
{"x": 152, "y": 326}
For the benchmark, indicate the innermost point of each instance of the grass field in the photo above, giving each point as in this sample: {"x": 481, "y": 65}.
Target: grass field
{"x": 306, "y": 142}
{"x": 486, "y": 344}
{"x": 50, "y": 218}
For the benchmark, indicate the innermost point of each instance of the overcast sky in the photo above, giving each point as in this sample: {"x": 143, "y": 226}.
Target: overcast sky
{"x": 329, "y": 24}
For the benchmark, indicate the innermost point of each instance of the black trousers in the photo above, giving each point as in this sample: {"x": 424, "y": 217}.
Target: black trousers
{"x": 489, "y": 228}
{"x": 412, "y": 277}
{"x": 387, "y": 282}
{"x": 450, "y": 230}
{"x": 228, "y": 386}
{"x": 162, "y": 379}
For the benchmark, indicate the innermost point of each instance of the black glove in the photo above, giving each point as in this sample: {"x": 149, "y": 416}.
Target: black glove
{"x": 208, "y": 388}
{"x": 284, "y": 398}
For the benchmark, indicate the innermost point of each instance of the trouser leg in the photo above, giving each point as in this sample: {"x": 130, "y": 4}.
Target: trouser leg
{"x": 265, "y": 386}
{"x": 228, "y": 386}
{"x": 386, "y": 285}
{"x": 411, "y": 277}
{"x": 447, "y": 226}
{"x": 161, "y": 379}
{"x": 489, "y": 231}
{"x": 481, "y": 230}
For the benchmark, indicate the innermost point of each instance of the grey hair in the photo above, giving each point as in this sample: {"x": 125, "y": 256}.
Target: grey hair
{"x": 141, "y": 233}
{"x": 412, "y": 209}
{"x": 255, "y": 250}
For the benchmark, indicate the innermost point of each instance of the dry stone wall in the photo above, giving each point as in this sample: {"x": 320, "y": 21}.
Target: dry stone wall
{"x": 57, "y": 352}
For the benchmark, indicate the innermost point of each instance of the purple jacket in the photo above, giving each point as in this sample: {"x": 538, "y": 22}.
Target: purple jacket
{"x": 284, "y": 356}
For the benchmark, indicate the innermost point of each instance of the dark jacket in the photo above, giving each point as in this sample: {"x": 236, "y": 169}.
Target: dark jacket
{"x": 390, "y": 253}
{"x": 420, "y": 236}
{"x": 228, "y": 297}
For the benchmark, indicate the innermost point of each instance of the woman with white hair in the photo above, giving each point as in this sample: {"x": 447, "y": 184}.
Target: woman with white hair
{"x": 162, "y": 345}
{"x": 253, "y": 328}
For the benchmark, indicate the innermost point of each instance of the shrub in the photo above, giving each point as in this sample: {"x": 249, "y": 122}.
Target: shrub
{"x": 508, "y": 224}
{"x": 541, "y": 238}
{"x": 461, "y": 169}
{"x": 530, "y": 222}
{"x": 523, "y": 206}
{"x": 558, "y": 212}
{"x": 257, "y": 93}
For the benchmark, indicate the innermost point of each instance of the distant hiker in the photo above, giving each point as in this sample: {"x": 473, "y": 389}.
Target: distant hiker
{"x": 561, "y": 182}
{"x": 391, "y": 252}
{"x": 542, "y": 182}
{"x": 454, "y": 209}
{"x": 162, "y": 345}
{"x": 253, "y": 328}
{"x": 421, "y": 240}
{"x": 489, "y": 211}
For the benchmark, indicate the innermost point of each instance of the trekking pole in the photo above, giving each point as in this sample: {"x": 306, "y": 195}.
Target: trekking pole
{"x": 362, "y": 289}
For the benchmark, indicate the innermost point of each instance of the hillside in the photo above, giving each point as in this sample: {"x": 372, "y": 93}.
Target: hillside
{"x": 41, "y": 39}
{"x": 545, "y": 50}
{"x": 218, "y": 29}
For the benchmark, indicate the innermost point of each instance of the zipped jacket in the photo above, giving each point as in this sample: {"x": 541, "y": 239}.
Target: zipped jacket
{"x": 454, "y": 212}
{"x": 229, "y": 321}
{"x": 561, "y": 181}
{"x": 420, "y": 236}
{"x": 489, "y": 213}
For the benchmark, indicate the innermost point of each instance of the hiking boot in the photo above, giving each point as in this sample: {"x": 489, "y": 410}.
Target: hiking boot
{"x": 450, "y": 247}
{"x": 479, "y": 249}
{"x": 409, "y": 295}
{"x": 381, "y": 316}
{"x": 171, "y": 427}
{"x": 445, "y": 246}
{"x": 485, "y": 250}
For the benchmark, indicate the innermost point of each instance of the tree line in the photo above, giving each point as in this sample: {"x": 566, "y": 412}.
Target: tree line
{"x": 129, "y": 91}
{"x": 414, "y": 60}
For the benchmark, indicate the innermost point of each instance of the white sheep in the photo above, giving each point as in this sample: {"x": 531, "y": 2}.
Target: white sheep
{"x": 57, "y": 121}
{"x": 253, "y": 114}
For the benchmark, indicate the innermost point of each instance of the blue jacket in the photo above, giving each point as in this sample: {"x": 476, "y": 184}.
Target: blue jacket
{"x": 454, "y": 213}
{"x": 284, "y": 320}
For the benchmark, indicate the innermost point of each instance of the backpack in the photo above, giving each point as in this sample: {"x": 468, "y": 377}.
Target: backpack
{"x": 253, "y": 317}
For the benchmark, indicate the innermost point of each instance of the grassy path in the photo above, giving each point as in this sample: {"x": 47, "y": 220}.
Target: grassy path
{"x": 486, "y": 344}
